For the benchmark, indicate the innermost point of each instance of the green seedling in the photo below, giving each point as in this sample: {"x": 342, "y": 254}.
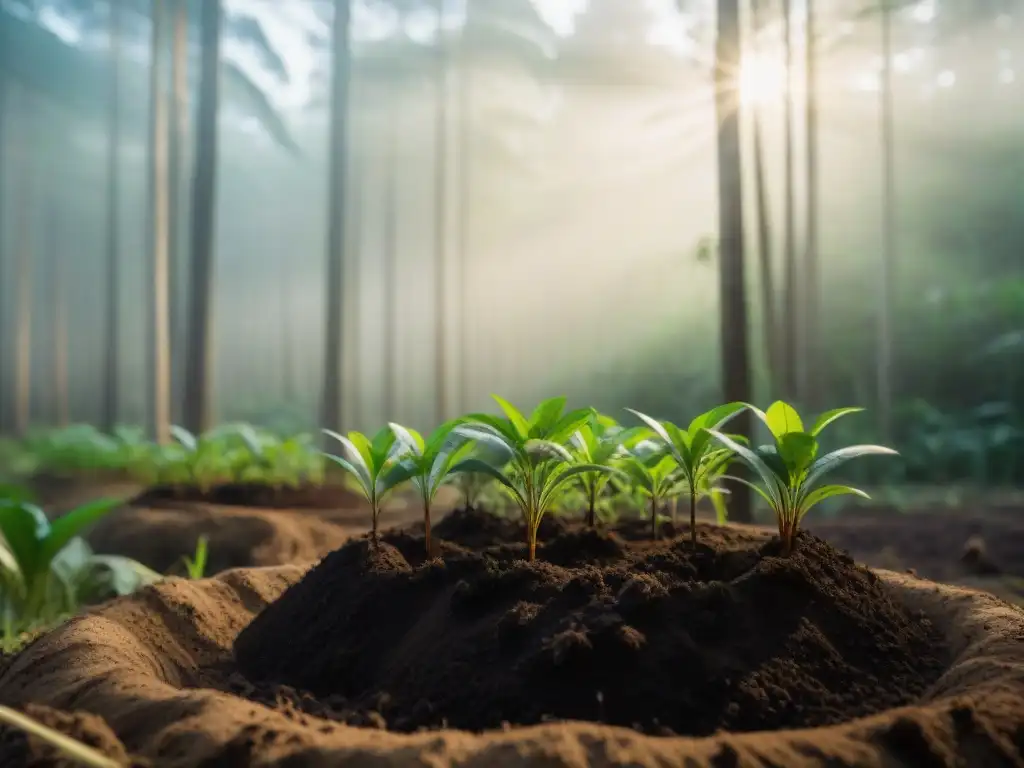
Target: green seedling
{"x": 655, "y": 476}
{"x": 376, "y": 465}
{"x": 195, "y": 566}
{"x": 430, "y": 463}
{"x": 31, "y": 543}
{"x": 790, "y": 467}
{"x": 599, "y": 440}
{"x": 536, "y": 464}
{"x": 698, "y": 458}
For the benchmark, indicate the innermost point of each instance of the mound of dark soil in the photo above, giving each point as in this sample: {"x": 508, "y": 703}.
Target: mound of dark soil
{"x": 650, "y": 635}
{"x": 258, "y": 495}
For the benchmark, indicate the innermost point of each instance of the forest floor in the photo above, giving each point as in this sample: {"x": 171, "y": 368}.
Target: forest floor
{"x": 728, "y": 641}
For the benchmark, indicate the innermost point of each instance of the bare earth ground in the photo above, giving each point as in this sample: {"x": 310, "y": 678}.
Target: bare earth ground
{"x": 154, "y": 665}
{"x": 980, "y": 546}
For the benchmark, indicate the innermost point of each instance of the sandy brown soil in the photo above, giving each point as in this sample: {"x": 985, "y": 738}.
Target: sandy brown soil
{"x": 159, "y": 667}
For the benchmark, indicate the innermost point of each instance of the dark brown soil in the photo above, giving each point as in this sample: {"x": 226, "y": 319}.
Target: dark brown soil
{"x": 939, "y": 543}
{"x": 329, "y": 496}
{"x": 642, "y": 634}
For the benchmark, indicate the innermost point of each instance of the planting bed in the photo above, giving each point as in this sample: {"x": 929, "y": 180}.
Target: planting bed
{"x": 731, "y": 644}
{"x": 941, "y": 543}
{"x": 156, "y": 527}
{"x": 323, "y": 497}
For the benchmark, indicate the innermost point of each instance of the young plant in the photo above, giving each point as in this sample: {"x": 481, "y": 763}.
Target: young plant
{"x": 535, "y": 465}
{"x": 655, "y": 475}
{"x": 430, "y": 463}
{"x": 195, "y": 566}
{"x": 375, "y": 463}
{"x": 693, "y": 451}
{"x": 599, "y": 440}
{"x": 790, "y": 468}
{"x": 32, "y": 589}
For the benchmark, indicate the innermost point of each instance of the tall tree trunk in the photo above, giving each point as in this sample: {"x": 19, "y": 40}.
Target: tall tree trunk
{"x": 331, "y": 408}
{"x": 791, "y": 302}
{"x": 462, "y": 246}
{"x": 179, "y": 120}
{"x": 388, "y": 305}
{"x": 59, "y": 306}
{"x": 112, "y": 324}
{"x": 158, "y": 341}
{"x": 197, "y": 411}
{"x": 769, "y": 315}
{"x": 287, "y": 331}
{"x": 887, "y": 272}
{"x": 732, "y": 267}
{"x": 23, "y": 345}
{"x": 441, "y": 222}
{"x": 810, "y": 370}
{"x": 4, "y": 155}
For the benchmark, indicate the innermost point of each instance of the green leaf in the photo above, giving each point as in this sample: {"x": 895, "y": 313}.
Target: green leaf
{"x": 831, "y": 461}
{"x": 819, "y": 495}
{"x": 554, "y": 484}
{"x": 187, "y": 440}
{"x": 656, "y": 426}
{"x": 358, "y": 473}
{"x": 715, "y": 418}
{"x": 782, "y": 419}
{"x": 66, "y": 527}
{"x": 24, "y": 532}
{"x": 774, "y": 501}
{"x": 773, "y": 483}
{"x": 392, "y": 476}
{"x": 354, "y": 461}
{"x": 382, "y": 448}
{"x": 409, "y": 437}
{"x": 495, "y": 424}
{"x": 545, "y": 416}
{"x": 515, "y": 417}
{"x": 829, "y": 416}
{"x": 569, "y": 423}
{"x": 440, "y": 437}
{"x": 548, "y": 449}
{"x": 798, "y": 450}
{"x": 483, "y": 468}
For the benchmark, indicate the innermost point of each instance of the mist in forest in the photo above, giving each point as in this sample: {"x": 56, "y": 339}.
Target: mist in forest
{"x": 587, "y": 198}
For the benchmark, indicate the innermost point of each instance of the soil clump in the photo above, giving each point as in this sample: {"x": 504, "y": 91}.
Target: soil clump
{"x": 649, "y": 635}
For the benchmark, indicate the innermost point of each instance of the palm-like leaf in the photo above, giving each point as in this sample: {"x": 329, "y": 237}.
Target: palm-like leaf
{"x": 77, "y": 79}
{"x": 790, "y": 469}
{"x": 539, "y": 466}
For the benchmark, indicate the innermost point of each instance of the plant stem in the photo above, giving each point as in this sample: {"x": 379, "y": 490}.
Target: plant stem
{"x": 426, "y": 527}
{"x": 654, "y": 518}
{"x": 531, "y": 537}
{"x": 592, "y": 509}
{"x": 373, "y": 528}
{"x": 693, "y": 518}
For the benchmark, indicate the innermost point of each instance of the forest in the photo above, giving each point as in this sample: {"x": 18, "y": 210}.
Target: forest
{"x": 542, "y": 340}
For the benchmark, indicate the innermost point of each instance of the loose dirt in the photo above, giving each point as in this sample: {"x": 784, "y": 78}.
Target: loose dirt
{"x": 940, "y": 543}
{"x": 731, "y": 636}
{"x": 653, "y": 636}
